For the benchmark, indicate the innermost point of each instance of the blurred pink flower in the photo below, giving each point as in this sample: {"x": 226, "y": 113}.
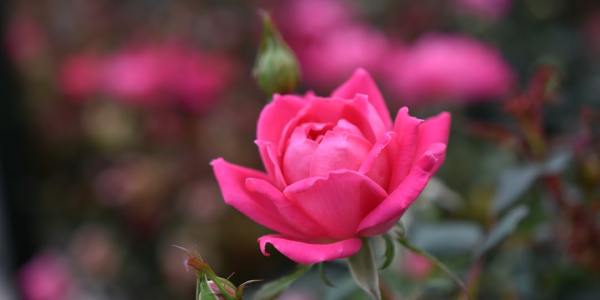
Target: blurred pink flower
{"x": 95, "y": 252}
{"x": 330, "y": 40}
{"x": 80, "y": 75}
{"x": 306, "y": 19}
{"x": 485, "y": 9}
{"x": 135, "y": 75}
{"x": 416, "y": 266}
{"x": 45, "y": 277}
{"x": 336, "y": 56}
{"x": 449, "y": 68}
{"x": 149, "y": 75}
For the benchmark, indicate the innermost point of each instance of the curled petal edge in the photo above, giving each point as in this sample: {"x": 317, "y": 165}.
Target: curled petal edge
{"x": 310, "y": 253}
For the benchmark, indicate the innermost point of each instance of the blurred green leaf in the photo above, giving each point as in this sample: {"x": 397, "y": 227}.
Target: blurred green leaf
{"x": 324, "y": 277}
{"x": 364, "y": 272}
{"x": 408, "y": 245}
{"x": 447, "y": 238}
{"x": 390, "y": 251}
{"x": 558, "y": 162}
{"x": 272, "y": 289}
{"x": 440, "y": 194}
{"x": 503, "y": 228}
{"x": 513, "y": 183}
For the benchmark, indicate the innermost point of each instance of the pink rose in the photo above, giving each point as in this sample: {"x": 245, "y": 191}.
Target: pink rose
{"x": 330, "y": 39}
{"x": 80, "y": 76}
{"x": 46, "y": 277}
{"x": 335, "y": 57}
{"x": 449, "y": 68}
{"x": 338, "y": 169}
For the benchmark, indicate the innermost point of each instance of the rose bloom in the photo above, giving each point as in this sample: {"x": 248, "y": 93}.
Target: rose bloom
{"x": 46, "y": 277}
{"x": 80, "y": 76}
{"x": 449, "y": 68}
{"x": 338, "y": 169}
{"x": 330, "y": 39}
{"x": 335, "y": 57}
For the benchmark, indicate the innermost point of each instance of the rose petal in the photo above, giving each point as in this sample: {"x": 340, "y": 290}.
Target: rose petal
{"x": 308, "y": 253}
{"x": 362, "y": 83}
{"x": 434, "y": 130}
{"x": 288, "y": 210}
{"x": 231, "y": 179}
{"x": 376, "y": 164}
{"x": 299, "y": 153}
{"x": 276, "y": 115}
{"x": 338, "y": 202}
{"x": 384, "y": 216}
{"x": 270, "y": 160}
{"x": 405, "y": 146}
{"x": 338, "y": 150}
{"x": 357, "y": 111}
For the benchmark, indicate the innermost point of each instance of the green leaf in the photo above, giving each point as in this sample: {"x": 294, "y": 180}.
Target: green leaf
{"x": 513, "y": 183}
{"x": 364, "y": 272}
{"x": 404, "y": 242}
{"x": 390, "y": 251}
{"x": 323, "y": 276}
{"x": 447, "y": 238}
{"x": 503, "y": 228}
{"x": 272, "y": 289}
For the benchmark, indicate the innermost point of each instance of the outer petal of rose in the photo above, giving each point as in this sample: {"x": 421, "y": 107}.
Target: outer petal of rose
{"x": 289, "y": 211}
{"x": 308, "y": 253}
{"x": 404, "y": 146}
{"x": 270, "y": 160}
{"x": 232, "y": 179}
{"x": 276, "y": 115}
{"x": 362, "y": 83}
{"x": 338, "y": 202}
{"x": 376, "y": 164}
{"x": 434, "y": 130}
{"x": 391, "y": 209}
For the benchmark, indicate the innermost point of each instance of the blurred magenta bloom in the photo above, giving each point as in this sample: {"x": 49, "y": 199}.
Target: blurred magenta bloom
{"x": 416, "y": 266}
{"x": 45, "y": 277}
{"x": 310, "y": 19}
{"x": 338, "y": 169}
{"x": 149, "y": 75}
{"x": 80, "y": 76}
{"x": 336, "y": 56}
{"x": 330, "y": 40}
{"x": 449, "y": 68}
{"x": 485, "y": 9}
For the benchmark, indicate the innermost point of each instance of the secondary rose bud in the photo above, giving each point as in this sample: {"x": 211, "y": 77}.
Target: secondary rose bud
{"x": 229, "y": 288}
{"x": 276, "y": 68}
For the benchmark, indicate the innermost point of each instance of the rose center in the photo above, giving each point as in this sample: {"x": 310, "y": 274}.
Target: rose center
{"x": 315, "y": 149}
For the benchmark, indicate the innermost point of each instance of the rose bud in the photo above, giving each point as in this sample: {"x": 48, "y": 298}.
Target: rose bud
{"x": 276, "y": 68}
